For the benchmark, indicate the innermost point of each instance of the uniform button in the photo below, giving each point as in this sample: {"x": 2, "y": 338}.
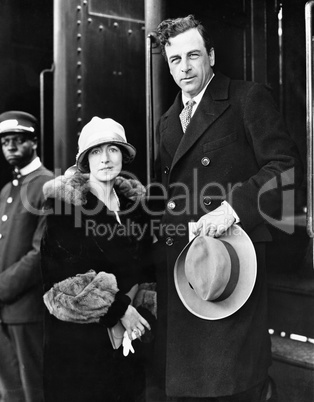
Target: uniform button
{"x": 166, "y": 170}
{"x": 171, "y": 205}
{"x": 4, "y": 218}
{"x": 169, "y": 241}
{"x": 15, "y": 182}
{"x": 18, "y": 173}
{"x": 207, "y": 200}
{"x": 205, "y": 161}
{"x": 9, "y": 200}
{"x": 1, "y": 235}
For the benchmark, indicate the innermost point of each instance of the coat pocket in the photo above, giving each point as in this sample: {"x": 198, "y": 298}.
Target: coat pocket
{"x": 221, "y": 142}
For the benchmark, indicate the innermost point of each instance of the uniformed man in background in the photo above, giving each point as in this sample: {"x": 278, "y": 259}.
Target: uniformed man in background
{"x": 21, "y": 226}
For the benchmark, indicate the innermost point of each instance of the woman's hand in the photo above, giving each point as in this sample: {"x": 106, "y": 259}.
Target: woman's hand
{"x": 132, "y": 292}
{"x": 134, "y": 323}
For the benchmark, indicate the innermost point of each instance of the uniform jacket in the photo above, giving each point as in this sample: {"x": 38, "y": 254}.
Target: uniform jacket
{"x": 21, "y": 229}
{"x": 81, "y": 235}
{"x": 235, "y": 146}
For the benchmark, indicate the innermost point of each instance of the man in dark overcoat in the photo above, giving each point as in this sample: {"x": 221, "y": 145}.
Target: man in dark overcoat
{"x": 21, "y": 227}
{"x": 221, "y": 160}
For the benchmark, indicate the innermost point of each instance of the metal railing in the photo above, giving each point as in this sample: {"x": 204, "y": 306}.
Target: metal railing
{"x": 309, "y": 113}
{"x": 42, "y": 86}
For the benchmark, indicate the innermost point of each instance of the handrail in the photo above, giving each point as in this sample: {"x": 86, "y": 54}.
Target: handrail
{"x": 42, "y": 108}
{"x": 151, "y": 37}
{"x": 309, "y": 113}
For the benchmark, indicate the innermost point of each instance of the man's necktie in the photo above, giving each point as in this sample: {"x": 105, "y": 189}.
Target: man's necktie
{"x": 185, "y": 115}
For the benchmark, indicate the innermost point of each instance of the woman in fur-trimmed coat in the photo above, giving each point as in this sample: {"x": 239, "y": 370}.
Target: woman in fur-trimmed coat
{"x": 90, "y": 227}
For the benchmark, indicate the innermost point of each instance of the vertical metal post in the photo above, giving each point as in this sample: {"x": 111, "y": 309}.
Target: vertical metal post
{"x": 156, "y": 70}
{"x": 309, "y": 112}
{"x": 149, "y": 110}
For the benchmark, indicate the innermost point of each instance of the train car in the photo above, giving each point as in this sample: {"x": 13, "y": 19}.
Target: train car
{"x": 66, "y": 61}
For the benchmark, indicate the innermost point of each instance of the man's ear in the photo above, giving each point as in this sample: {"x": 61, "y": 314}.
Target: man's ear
{"x": 35, "y": 143}
{"x": 211, "y": 56}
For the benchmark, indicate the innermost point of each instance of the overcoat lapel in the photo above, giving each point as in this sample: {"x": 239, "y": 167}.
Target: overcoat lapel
{"x": 173, "y": 133}
{"x": 212, "y": 106}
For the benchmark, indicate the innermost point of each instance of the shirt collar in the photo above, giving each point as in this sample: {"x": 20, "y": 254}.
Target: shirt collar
{"x": 199, "y": 96}
{"x": 31, "y": 167}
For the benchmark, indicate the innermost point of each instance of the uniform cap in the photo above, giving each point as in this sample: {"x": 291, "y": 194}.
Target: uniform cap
{"x": 18, "y": 122}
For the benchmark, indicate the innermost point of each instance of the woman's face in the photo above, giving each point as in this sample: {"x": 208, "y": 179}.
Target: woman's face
{"x": 105, "y": 162}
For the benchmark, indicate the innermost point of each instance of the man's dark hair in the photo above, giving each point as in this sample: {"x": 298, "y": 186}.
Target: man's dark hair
{"x": 172, "y": 27}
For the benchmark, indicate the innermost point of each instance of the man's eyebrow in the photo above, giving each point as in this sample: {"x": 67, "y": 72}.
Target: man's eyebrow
{"x": 194, "y": 51}
{"x": 188, "y": 53}
{"x": 174, "y": 56}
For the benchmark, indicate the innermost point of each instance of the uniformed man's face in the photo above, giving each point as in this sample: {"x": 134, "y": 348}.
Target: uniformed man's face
{"x": 18, "y": 149}
{"x": 189, "y": 63}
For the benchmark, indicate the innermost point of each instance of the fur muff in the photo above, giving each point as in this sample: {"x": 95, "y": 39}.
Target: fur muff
{"x": 83, "y": 298}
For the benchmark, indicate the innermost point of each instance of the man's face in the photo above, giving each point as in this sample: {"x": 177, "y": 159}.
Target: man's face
{"x": 18, "y": 149}
{"x": 189, "y": 63}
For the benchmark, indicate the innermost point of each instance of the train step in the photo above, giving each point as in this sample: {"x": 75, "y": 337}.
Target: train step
{"x": 291, "y": 304}
{"x": 293, "y": 369}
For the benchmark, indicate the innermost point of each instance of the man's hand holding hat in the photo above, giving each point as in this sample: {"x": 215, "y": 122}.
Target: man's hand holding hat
{"x": 216, "y": 222}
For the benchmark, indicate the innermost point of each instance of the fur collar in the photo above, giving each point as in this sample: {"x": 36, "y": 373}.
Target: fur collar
{"x": 71, "y": 189}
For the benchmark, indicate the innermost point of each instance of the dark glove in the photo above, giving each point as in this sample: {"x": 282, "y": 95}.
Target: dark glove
{"x": 148, "y": 335}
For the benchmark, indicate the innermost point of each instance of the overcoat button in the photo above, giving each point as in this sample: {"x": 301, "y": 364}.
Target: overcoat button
{"x": 205, "y": 161}
{"x": 166, "y": 170}
{"x": 171, "y": 205}
{"x": 9, "y": 200}
{"x": 207, "y": 200}
{"x": 1, "y": 235}
{"x": 169, "y": 241}
{"x": 15, "y": 182}
{"x": 4, "y": 218}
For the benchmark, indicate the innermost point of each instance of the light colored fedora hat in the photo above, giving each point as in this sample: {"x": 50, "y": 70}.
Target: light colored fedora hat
{"x": 102, "y": 131}
{"x": 214, "y": 277}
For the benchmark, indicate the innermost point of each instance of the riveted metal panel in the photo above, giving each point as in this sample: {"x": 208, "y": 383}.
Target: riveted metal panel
{"x": 67, "y": 122}
{"x": 128, "y": 10}
{"x": 104, "y": 71}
